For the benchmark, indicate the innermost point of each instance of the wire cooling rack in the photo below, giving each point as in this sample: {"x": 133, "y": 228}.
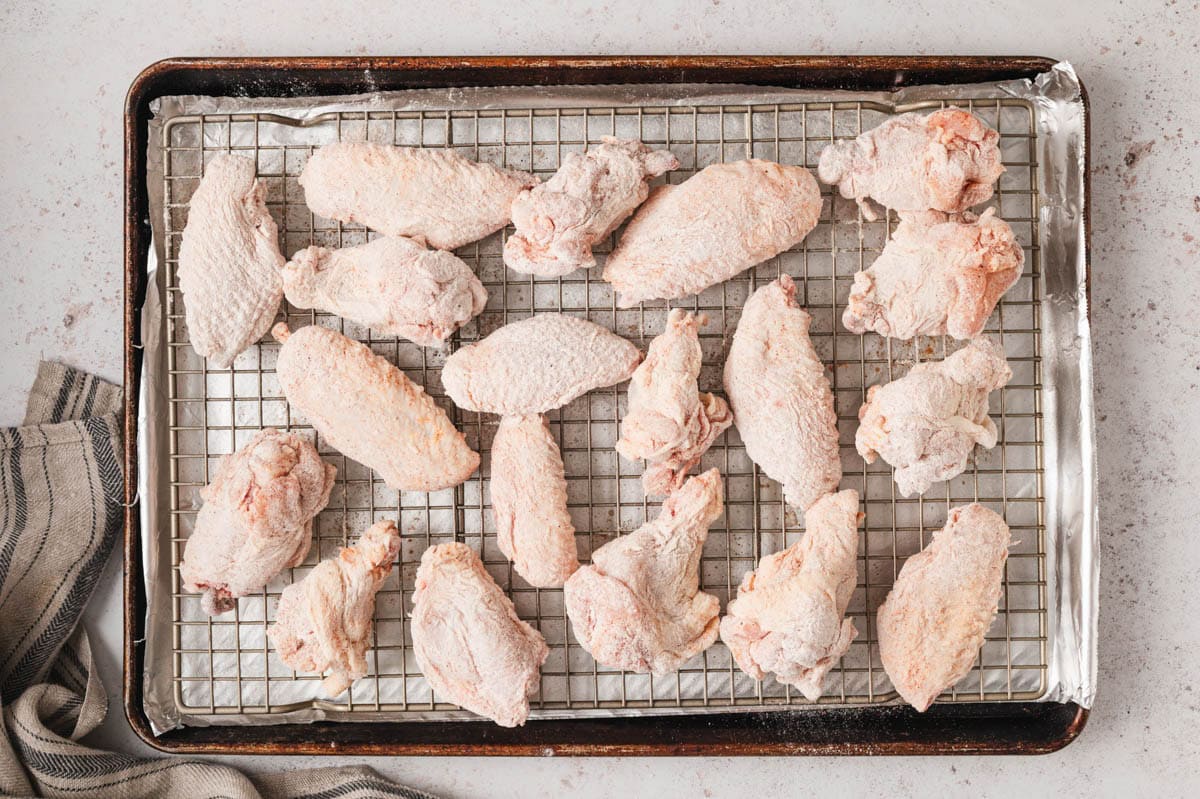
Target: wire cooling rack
{"x": 224, "y": 666}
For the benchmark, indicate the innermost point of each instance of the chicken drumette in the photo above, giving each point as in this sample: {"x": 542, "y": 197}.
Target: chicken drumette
{"x": 938, "y": 275}
{"x": 927, "y": 423}
{"x": 323, "y": 623}
{"x": 529, "y": 502}
{"x": 558, "y": 221}
{"x": 787, "y": 618}
{"x": 638, "y": 606}
{"x": 256, "y": 519}
{"x": 945, "y": 161}
{"x": 392, "y": 285}
{"x": 669, "y": 424}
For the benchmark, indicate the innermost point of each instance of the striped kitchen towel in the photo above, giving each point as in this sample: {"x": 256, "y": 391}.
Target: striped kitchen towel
{"x": 60, "y": 515}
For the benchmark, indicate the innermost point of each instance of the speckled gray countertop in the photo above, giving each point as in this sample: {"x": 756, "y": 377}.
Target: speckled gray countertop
{"x": 64, "y": 69}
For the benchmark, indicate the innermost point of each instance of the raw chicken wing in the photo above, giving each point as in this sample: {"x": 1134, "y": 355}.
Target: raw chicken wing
{"x": 589, "y": 196}
{"x": 936, "y": 276}
{"x": 394, "y": 286}
{"x": 229, "y": 261}
{"x": 782, "y": 403}
{"x": 435, "y": 195}
{"x": 323, "y": 623}
{"x": 639, "y": 606}
{"x": 669, "y": 424}
{"x": 946, "y": 161}
{"x": 536, "y": 365}
{"x": 927, "y": 423}
{"x": 934, "y": 620}
{"x": 257, "y": 518}
{"x": 787, "y": 618}
{"x": 721, "y": 221}
{"x": 529, "y": 502}
{"x": 469, "y": 643}
{"x": 369, "y": 410}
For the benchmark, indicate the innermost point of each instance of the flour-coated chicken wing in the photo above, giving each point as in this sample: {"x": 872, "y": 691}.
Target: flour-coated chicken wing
{"x": 669, "y": 423}
{"x": 945, "y": 161}
{"x": 558, "y": 221}
{"x": 323, "y": 623}
{"x": 366, "y": 408}
{"x": 718, "y": 223}
{"x": 937, "y": 276}
{"x": 229, "y": 261}
{"x": 638, "y": 605}
{"x": 392, "y": 285}
{"x": 431, "y": 194}
{"x": 256, "y": 519}
{"x": 529, "y": 502}
{"x": 472, "y": 648}
{"x": 787, "y": 619}
{"x": 937, "y": 614}
{"x": 781, "y": 400}
{"x": 536, "y": 365}
{"x": 927, "y": 423}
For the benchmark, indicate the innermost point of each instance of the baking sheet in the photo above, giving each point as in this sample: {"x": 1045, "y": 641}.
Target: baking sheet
{"x": 206, "y": 671}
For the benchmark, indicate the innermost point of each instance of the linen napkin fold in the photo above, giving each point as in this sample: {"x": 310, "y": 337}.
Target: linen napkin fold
{"x": 61, "y": 491}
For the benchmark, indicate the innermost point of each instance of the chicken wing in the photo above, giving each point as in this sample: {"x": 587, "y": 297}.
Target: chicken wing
{"x": 935, "y": 618}
{"x": 787, "y": 618}
{"x": 936, "y": 276}
{"x": 229, "y": 261}
{"x": 639, "y": 606}
{"x": 529, "y": 502}
{"x": 781, "y": 400}
{"x": 589, "y": 196}
{"x": 323, "y": 623}
{"x": 669, "y": 424}
{"x": 256, "y": 519}
{"x": 946, "y": 161}
{"x": 469, "y": 643}
{"x": 536, "y": 365}
{"x": 394, "y": 286}
{"x": 927, "y": 423}
{"x": 435, "y": 195}
{"x": 368, "y": 409}
{"x": 721, "y": 221}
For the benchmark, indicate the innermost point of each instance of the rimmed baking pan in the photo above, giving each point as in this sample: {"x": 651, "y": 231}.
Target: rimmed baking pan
{"x": 995, "y": 714}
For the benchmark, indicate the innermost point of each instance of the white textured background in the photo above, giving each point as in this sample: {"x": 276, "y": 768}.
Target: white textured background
{"x": 64, "y": 70}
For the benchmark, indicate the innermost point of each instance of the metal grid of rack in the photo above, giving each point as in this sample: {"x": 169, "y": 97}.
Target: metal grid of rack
{"x": 224, "y": 665}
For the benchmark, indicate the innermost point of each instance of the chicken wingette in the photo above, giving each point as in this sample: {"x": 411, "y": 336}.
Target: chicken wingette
{"x": 366, "y": 408}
